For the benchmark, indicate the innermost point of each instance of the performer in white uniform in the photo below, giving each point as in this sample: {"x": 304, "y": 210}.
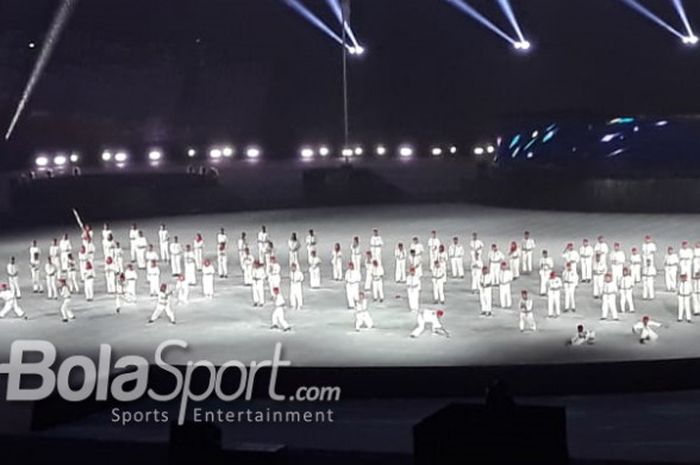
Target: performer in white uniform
{"x": 570, "y": 278}
{"x": 262, "y": 242}
{"x": 190, "y": 266}
{"x": 293, "y": 247}
{"x": 278, "y": 319}
{"x": 645, "y": 330}
{"x": 685, "y": 259}
{"x": 546, "y": 266}
{"x": 527, "y": 318}
{"x": 175, "y": 257}
{"x": 495, "y": 259}
{"x": 111, "y": 272}
{"x": 696, "y": 258}
{"x": 431, "y": 317}
{"x": 671, "y": 270}
{"x": 242, "y": 247}
{"x": 626, "y": 288}
{"x": 456, "y": 255}
{"x": 107, "y": 240}
{"x": 10, "y": 302}
{"x": 582, "y": 336}
{"x": 504, "y": 285}
{"x": 570, "y": 255}
{"x": 486, "y": 292}
{"x": 296, "y": 296}
{"x": 400, "y": 263}
{"x": 554, "y": 286}
{"x": 66, "y": 312}
{"x": 222, "y": 260}
{"x": 362, "y": 316}
{"x": 375, "y": 245}
{"x": 636, "y": 265}
{"x": 476, "y": 247}
{"x": 648, "y": 276}
{"x": 439, "y": 278}
{"x": 377, "y": 275}
{"x": 314, "y": 270}
{"x": 476, "y": 266}
{"x": 609, "y": 298}
{"x": 337, "y": 262}
{"x": 208, "y": 273}
{"x": 617, "y": 262}
{"x": 89, "y": 282}
{"x": 133, "y": 235}
{"x": 164, "y": 243}
{"x": 50, "y": 270}
{"x": 433, "y": 246}
{"x": 586, "y": 254}
{"x": 258, "y": 283}
{"x": 600, "y": 269}
{"x": 696, "y": 293}
{"x": 514, "y": 258}
{"x": 601, "y": 247}
{"x": 198, "y": 248}
{"x": 685, "y": 292}
{"x": 413, "y": 288}
{"x": 352, "y": 284}
{"x": 528, "y": 246}
{"x": 648, "y": 249}
{"x": 311, "y": 241}
{"x": 274, "y": 275}
{"x": 247, "y": 265}
{"x": 35, "y": 266}
{"x": 13, "y": 278}
{"x": 141, "y": 245}
{"x": 65, "y": 247}
{"x": 151, "y": 255}
{"x": 153, "y": 278}
{"x": 356, "y": 253}
{"x": 131, "y": 277}
{"x": 163, "y": 306}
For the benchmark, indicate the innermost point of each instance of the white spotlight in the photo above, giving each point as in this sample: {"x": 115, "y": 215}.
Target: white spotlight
{"x": 106, "y": 155}
{"x": 453, "y": 150}
{"x": 41, "y": 161}
{"x": 227, "y": 152}
{"x": 74, "y": 157}
{"x": 120, "y": 157}
{"x": 436, "y": 151}
{"x": 405, "y": 151}
{"x": 307, "y": 153}
{"x": 323, "y": 151}
{"x": 523, "y": 45}
{"x": 358, "y": 151}
{"x": 381, "y": 150}
{"x": 347, "y": 152}
{"x": 215, "y": 154}
{"x": 252, "y": 152}
{"x": 691, "y": 39}
{"x": 191, "y": 153}
{"x": 478, "y": 150}
{"x": 154, "y": 155}
{"x": 59, "y": 160}
{"x": 32, "y": 45}
{"x": 490, "y": 148}
{"x": 358, "y": 50}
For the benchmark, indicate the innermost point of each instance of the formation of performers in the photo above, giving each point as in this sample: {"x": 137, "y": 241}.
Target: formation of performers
{"x": 612, "y": 273}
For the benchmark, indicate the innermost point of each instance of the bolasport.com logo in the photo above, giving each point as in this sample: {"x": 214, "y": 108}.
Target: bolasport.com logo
{"x": 127, "y": 380}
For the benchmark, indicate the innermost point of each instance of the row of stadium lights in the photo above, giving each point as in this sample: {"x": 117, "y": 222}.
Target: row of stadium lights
{"x": 403, "y": 151}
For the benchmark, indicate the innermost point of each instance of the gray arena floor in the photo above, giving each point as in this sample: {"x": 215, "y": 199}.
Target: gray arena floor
{"x": 230, "y": 328}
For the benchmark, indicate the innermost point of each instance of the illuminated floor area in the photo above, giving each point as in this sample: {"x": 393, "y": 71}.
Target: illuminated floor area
{"x": 230, "y": 328}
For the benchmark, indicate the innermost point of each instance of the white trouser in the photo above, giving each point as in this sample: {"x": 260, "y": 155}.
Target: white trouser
{"x": 527, "y": 320}
{"x": 586, "y": 269}
{"x": 160, "y": 308}
{"x": 11, "y": 305}
{"x": 51, "y": 290}
{"x": 36, "y": 280}
{"x": 223, "y": 266}
{"x": 293, "y": 258}
{"x": 241, "y": 259}
{"x": 505, "y": 295}
{"x": 130, "y": 290}
{"x": 685, "y": 267}
{"x": 198, "y": 258}
{"x": 258, "y": 292}
{"x": 274, "y": 281}
{"x": 141, "y": 258}
{"x": 696, "y": 303}
{"x": 337, "y": 270}
{"x": 376, "y": 253}
{"x": 153, "y": 286}
{"x": 111, "y": 282}
{"x": 636, "y": 273}
{"x": 315, "y": 278}
{"x": 278, "y": 319}
{"x": 553, "y": 303}
{"x": 66, "y": 312}
{"x": 439, "y": 290}
{"x": 296, "y": 298}
{"x": 609, "y": 306}
{"x": 616, "y": 272}
{"x": 422, "y": 321}
{"x": 208, "y": 286}
{"x": 73, "y": 281}
{"x": 648, "y": 287}
{"x": 191, "y": 273}
{"x": 352, "y": 292}
{"x": 413, "y": 299}
{"x": 569, "y": 297}
{"x": 527, "y": 261}
{"x": 368, "y": 280}
{"x": 132, "y": 251}
{"x": 457, "y": 265}
{"x": 515, "y": 267}
{"x": 400, "y": 272}
{"x": 684, "y": 307}
{"x": 363, "y": 319}
{"x": 176, "y": 264}
{"x": 377, "y": 289}
{"x": 648, "y": 334}
{"x": 247, "y": 276}
{"x": 598, "y": 280}
{"x": 493, "y": 269}
{"x": 165, "y": 251}
{"x": 476, "y": 274}
{"x": 486, "y": 300}
{"x": 670, "y": 273}
{"x": 626, "y": 302}
{"x": 544, "y": 276}
{"x": 356, "y": 261}
{"x": 90, "y": 288}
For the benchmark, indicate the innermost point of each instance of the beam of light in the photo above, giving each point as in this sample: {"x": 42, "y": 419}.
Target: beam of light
{"x": 59, "y": 21}
{"x": 336, "y": 8}
{"x": 639, "y": 8}
{"x": 471, "y": 11}
{"x": 681, "y": 12}
{"x": 314, "y": 20}
{"x": 508, "y": 11}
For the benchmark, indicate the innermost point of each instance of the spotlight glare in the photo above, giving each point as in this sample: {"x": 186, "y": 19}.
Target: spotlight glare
{"x": 215, "y": 154}
{"x": 490, "y": 148}
{"x": 347, "y": 152}
{"x": 106, "y": 155}
{"x": 59, "y": 160}
{"x": 478, "y": 150}
{"x": 436, "y": 151}
{"x": 358, "y": 151}
{"x": 120, "y": 157}
{"x": 154, "y": 155}
{"x": 307, "y": 153}
{"x": 191, "y": 153}
{"x": 227, "y": 152}
{"x": 690, "y": 39}
{"x": 522, "y": 45}
{"x": 74, "y": 157}
{"x": 41, "y": 161}
{"x": 453, "y": 150}
{"x": 359, "y": 50}
{"x": 381, "y": 150}
{"x": 405, "y": 151}
{"x": 323, "y": 151}
{"x": 252, "y": 152}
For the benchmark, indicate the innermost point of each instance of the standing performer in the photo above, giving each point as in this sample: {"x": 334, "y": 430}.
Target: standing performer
{"x": 416, "y": 247}
{"x": 72, "y": 274}
{"x": 141, "y": 245}
{"x": 377, "y": 274}
{"x": 183, "y": 290}
{"x": 278, "y": 319}
{"x": 456, "y": 255}
{"x": 248, "y": 264}
{"x": 601, "y": 247}
{"x": 433, "y": 246}
{"x": 153, "y": 278}
{"x": 570, "y": 278}
{"x": 55, "y": 254}
{"x": 222, "y": 260}
{"x": 570, "y": 255}
{"x": 337, "y": 262}
{"x": 685, "y": 259}
{"x": 274, "y": 275}
{"x": 617, "y": 262}
{"x": 582, "y": 337}
{"x": 221, "y": 238}
{"x": 296, "y": 296}
{"x": 190, "y": 266}
{"x": 485, "y": 292}
{"x": 208, "y": 273}
{"x": 352, "y": 284}
{"x": 368, "y": 271}
{"x": 175, "y": 257}
{"x": 375, "y": 245}
{"x": 310, "y": 245}
{"x": 514, "y": 258}
{"x": 645, "y": 330}
{"x": 164, "y": 242}
{"x": 82, "y": 260}
{"x": 546, "y": 267}
{"x": 163, "y": 305}
{"x": 294, "y": 247}
{"x": 362, "y": 316}
{"x": 609, "y": 298}
{"x": 258, "y": 277}
{"x": 527, "y": 320}
{"x": 414, "y": 261}
{"x": 314, "y": 270}
{"x": 600, "y": 269}
{"x": 111, "y": 272}
{"x": 13, "y": 278}
{"x": 648, "y": 249}
{"x": 413, "y": 288}
{"x": 10, "y": 305}
{"x": 685, "y": 291}
{"x": 133, "y": 236}
{"x": 671, "y": 269}
{"x": 442, "y": 257}
{"x": 528, "y": 247}
{"x": 118, "y": 256}
{"x": 107, "y": 240}
{"x": 50, "y": 271}
{"x": 151, "y": 255}
{"x": 495, "y": 259}
{"x": 242, "y": 247}
{"x": 65, "y": 247}
{"x": 66, "y": 312}
{"x": 439, "y": 278}
{"x": 131, "y": 277}
{"x": 636, "y": 265}
{"x": 35, "y": 266}
{"x": 696, "y": 258}
{"x": 198, "y": 247}
{"x": 262, "y": 242}
{"x": 648, "y": 275}
{"x": 475, "y": 247}
{"x": 554, "y": 285}
{"x": 356, "y": 253}
{"x": 505, "y": 279}
{"x": 476, "y": 267}
{"x": 431, "y": 317}
{"x": 89, "y": 282}
{"x": 696, "y": 293}
{"x": 626, "y": 287}
{"x": 400, "y": 263}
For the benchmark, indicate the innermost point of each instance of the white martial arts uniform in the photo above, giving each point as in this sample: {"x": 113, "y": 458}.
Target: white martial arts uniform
{"x": 418, "y": 248}
{"x": 362, "y": 316}
{"x": 296, "y": 295}
{"x": 609, "y": 306}
{"x": 649, "y": 251}
{"x": 274, "y": 276}
{"x": 183, "y": 292}
{"x": 646, "y": 331}
{"x": 433, "y": 247}
{"x": 198, "y": 249}
{"x": 504, "y": 288}
{"x": 356, "y": 256}
{"x": 527, "y": 318}
{"x": 685, "y": 292}
{"x": 278, "y": 319}
{"x": 65, "y": 248}
{"x": 141, "y": 245}
{"x": 617, "y": 263}
{"x": 13, "y": 279}
{"x": 262, "y": 243}
{"x": 375, "y": 246}
{"x": 337, "y": 264}
{"x": 413, "y": 288}
{"x": 586, "y": 256}
{"x": 685, "y": 261}
{"x": 50, "y": 271}
{"x": 82, "y": 261}
{"x": 10, "y": 304}
{"x": 583, "y": 337}
{"x": 133, "y": 236}
{"x": 600, "y": 268}
{"x": 636, "y": 267}
{"x": 163, "y": 306}
{"x": 72, "y": 279}
{"x": 208, "y": 273}
{"x": 190, "y": 267}
{"x": 495, "y": 259}
{"x": 475, "y": 248}
{"x": 400, "y": 265}
{"x": 222, "y": 262}
{"x": 310, "y": 245}
{"x": 570, "y": 279}
{"x": 554, "y": 286}
{"x": 696, "y": 259}
{"x": 476, "y": 267}
{"x": 626, "y": 299}
{"x": 176, "y": 258}
{"x": 55, "y": 255}
{"x": 314, "y": 272}
{"x": 546, "y": 266}
{"x": 35, "y": 268}
{"x": 648, "y": 276}
{"x": 294, "y": 247}
{"x": 456, "y": 255}
{"x": 424, "y": 317}
{"x": 377, "y": 275}
{"x": 130, "y": 290}
{"x": 414, "y": 261}
{"x": 571, "y": 256}
{"x": 602, "y": 249}
{"x": 242, "y": 245}
{"x": 164, "y": 243}
{"x": 89, "y": 284}
{"x": 111, "y": 277}
{"x": 247, "y": 265}
{"x": 66, "y": 312}
{"x": 153, "y": 278}
{"x": 486, "y": 293}
{"x": 352, "y": 286}
{"x": 368, "y": 274}
{"x": 258, "y": 280}
{"x": 439, "y": 278}
{"x": 514, "y": 261}
{"x": 696, "y": 296}
{"x": 671, "y": 271}
{"x": 528, "y": 247}
{"x": 107, "y": 243}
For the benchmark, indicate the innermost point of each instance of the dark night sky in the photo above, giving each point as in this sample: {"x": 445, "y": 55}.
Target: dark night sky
{"x": 132, "y": 72}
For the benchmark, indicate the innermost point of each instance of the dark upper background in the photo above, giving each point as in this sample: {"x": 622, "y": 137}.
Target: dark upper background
{"x": 138, "y": 73}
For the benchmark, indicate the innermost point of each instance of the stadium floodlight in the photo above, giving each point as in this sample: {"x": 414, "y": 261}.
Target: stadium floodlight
{"x": 252, "y": 152}
{"x": 120, "y": 157}
{"x": 41, "y": 161}
{"x": 469, "y": 10}
{"x": 478, "y": 150}
{"x": 324, "y": 151}
{"x": 453, "y": 149}
{"x": 522, "y": 45}
{"x": 347, "y": 152}
{"x": 106, "y": 155}
{"x": 436, "y": 151}
{"x": 336, "y": 8}
{"x": 59, "y": 160}
{"x": 191, "y": 153}
{"x": 381, "y": 150}
{"x": 490, "y": 148}
{"x": 74, "y": 157}
{"x": 358, "y": 151}
{"x": 227, "y": 152}
{"x": 647, "y": 13}
{"x": 356, "y": 50}
{"x": 155, "y": 155}
{"x": 307, "y": 153}
{"x": 405, "y": 151}
{"x": 690, "y": 40}
{"x": 215, "y": 154}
